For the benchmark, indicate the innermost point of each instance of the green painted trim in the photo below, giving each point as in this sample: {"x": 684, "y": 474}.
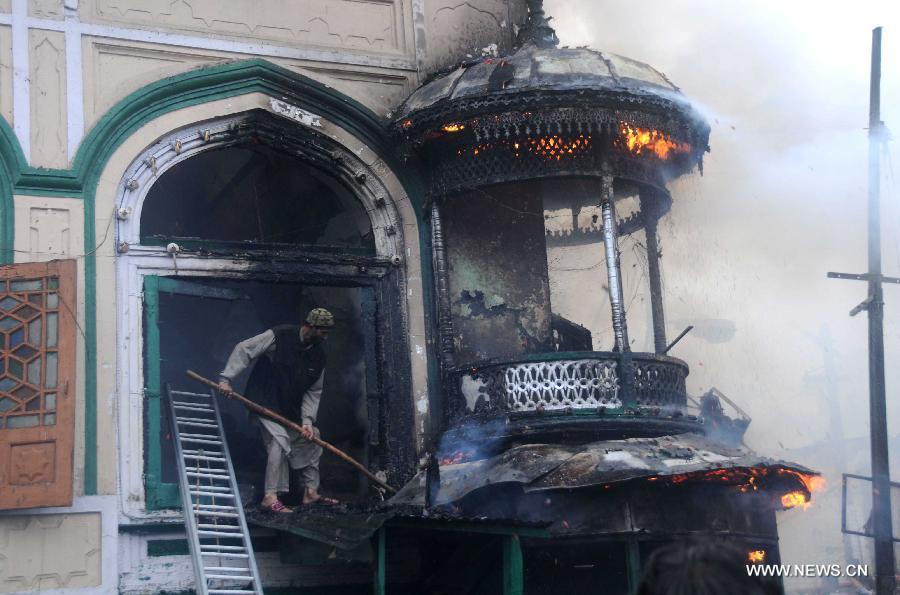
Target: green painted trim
{"x": 158, "y": 495}
{"x": 513, "y": 566}
{"x": 381, "y": 563}
{"x": 633, "y": 563}
{"x": 9, "y": 145}
{"x": 160, "y": 548}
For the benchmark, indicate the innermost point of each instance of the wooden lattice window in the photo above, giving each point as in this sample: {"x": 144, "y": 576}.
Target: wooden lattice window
{"x": 37, "y": 373}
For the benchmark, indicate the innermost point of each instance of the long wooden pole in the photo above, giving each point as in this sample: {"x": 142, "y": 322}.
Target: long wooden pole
{"x": 294, "y": 426}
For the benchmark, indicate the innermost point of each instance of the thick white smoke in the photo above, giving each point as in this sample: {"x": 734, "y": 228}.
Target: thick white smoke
{"x": 782, "y": 201}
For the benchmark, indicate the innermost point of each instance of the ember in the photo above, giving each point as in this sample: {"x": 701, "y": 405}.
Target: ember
{"x": 456, "y": 458}
{"x": 756, "y": 556}
{"x": 661, "y": 144}
{"x": 453, "y": 127}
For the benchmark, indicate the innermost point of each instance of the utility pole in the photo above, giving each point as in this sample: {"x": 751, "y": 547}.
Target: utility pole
{"x": 874, "y": 305}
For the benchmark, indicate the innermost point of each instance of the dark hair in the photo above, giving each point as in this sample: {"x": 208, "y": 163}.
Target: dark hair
{"x": 710, "y": 567}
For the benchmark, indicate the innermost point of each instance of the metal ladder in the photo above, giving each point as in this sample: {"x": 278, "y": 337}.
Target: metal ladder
{"x": 213, "y": 513}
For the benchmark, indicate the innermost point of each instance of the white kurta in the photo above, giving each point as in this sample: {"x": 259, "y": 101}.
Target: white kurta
{"x": 283, "y": 445}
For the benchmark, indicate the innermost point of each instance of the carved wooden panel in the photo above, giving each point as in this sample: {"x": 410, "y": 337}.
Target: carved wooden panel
{"x": 37, "y": 368}
{"x": 32, "y": 463}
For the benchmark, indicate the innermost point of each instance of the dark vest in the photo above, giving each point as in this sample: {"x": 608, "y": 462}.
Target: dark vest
{"x": 280, "y": 378}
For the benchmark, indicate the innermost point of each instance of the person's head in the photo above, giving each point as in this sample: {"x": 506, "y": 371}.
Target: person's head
{"x": 705, "y": 567}
{"x": 317, "y": 325}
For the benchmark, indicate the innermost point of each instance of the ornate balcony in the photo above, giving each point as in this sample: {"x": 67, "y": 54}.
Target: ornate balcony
{"x": 585, "y": 391}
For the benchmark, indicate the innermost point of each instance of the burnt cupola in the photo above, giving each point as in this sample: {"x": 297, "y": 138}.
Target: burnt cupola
{"x": 538, "y": 163}
{"x": 546, "y": 111}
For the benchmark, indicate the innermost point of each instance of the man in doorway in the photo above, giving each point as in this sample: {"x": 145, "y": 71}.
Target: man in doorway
{"x": 287, "y": 378}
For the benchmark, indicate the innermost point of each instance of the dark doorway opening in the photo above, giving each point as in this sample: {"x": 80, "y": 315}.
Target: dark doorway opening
{"x": 201, "y": 319}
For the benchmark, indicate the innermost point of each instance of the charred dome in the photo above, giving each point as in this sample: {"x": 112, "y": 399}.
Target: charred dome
{"x": 546, "y": 112}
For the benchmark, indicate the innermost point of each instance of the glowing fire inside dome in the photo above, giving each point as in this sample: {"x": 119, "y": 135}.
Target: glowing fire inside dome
{"x": 756, "y": 556}
{"x": 453, "y": 127}
{"x": 556, "y": 147}
{"x": 639, "y": 141}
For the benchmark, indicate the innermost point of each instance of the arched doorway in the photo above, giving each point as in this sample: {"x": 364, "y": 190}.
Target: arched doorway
{"x": 231, "y": 227}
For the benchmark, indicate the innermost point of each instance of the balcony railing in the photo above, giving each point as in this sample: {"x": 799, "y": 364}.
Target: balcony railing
{"x": 624, "y": 382}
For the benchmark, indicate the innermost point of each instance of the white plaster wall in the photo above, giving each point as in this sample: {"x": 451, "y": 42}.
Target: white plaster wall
{"x": 60, "y": 551}
{"x": 6, "y": 78}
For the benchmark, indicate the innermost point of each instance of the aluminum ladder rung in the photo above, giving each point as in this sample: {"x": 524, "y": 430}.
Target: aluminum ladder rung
{"x": 184, "y": 393}
{"x": 212, "y": 494}
{"x": 204, "y": 533}
{"x": 183, "y": 421}
{"x": 224, "y": 554}
{"x": 224, "y": 515}
{"x": 213, "y": 507}
{"x": 192, "y": 405}
{"x": 222, "y": 489}
{"x": 231, "y": 591}
{"x": 192, "y": 458}
{"x": 216, "y": 527}
{"x": 207, "y": 475}
{"x": 229, "y": 577}
{"x": 211, "y": 549}
{"x": 226, "y": 568}
{"x": 207, "y": 469}
{"x": 199, "y": 440}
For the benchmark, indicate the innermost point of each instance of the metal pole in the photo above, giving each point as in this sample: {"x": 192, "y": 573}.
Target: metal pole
{"x": 651, "y": 219}
{"x": 446, "y": 349}
{"x": 613, "y": 271}
{"x": 881, "y": 483}
{"x": 442, "y": 287}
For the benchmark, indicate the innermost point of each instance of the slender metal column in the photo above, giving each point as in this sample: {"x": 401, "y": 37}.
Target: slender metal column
{"x": 881, "y": 481}
{"x": 442, "y": 287}
{"x": 613, "y": 270}
{"x": 648, "y": 211}
{"x": 445, "y": 346}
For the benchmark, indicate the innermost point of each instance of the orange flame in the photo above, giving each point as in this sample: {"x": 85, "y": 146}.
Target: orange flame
{"x": 659, "y": 143}
{"x": 453, "y": 127}
{"x": 756, "y": 556}
{"x": 795, "y": 498}
{"x": 754, "y": 479}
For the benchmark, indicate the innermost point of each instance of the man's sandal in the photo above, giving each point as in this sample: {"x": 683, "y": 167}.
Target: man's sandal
{"x": 276, "y": 506}
{"x": 322, "y": 500}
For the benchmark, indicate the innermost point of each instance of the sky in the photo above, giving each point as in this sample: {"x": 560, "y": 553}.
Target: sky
{"x": 782, "y": 201}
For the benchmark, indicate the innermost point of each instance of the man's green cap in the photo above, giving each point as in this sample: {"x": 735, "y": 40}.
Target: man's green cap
{"x": 320, "y": 317}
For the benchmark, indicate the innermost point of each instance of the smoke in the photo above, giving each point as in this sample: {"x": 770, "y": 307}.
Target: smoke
{"x": 781, "y": 202}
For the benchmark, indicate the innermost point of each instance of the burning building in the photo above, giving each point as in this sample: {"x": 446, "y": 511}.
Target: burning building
{"x": 536, "y": 449}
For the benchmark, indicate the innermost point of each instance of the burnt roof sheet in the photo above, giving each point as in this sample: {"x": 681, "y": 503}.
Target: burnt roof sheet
{"x": 533, "y": 69}
{"x": 553, "y": 467}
